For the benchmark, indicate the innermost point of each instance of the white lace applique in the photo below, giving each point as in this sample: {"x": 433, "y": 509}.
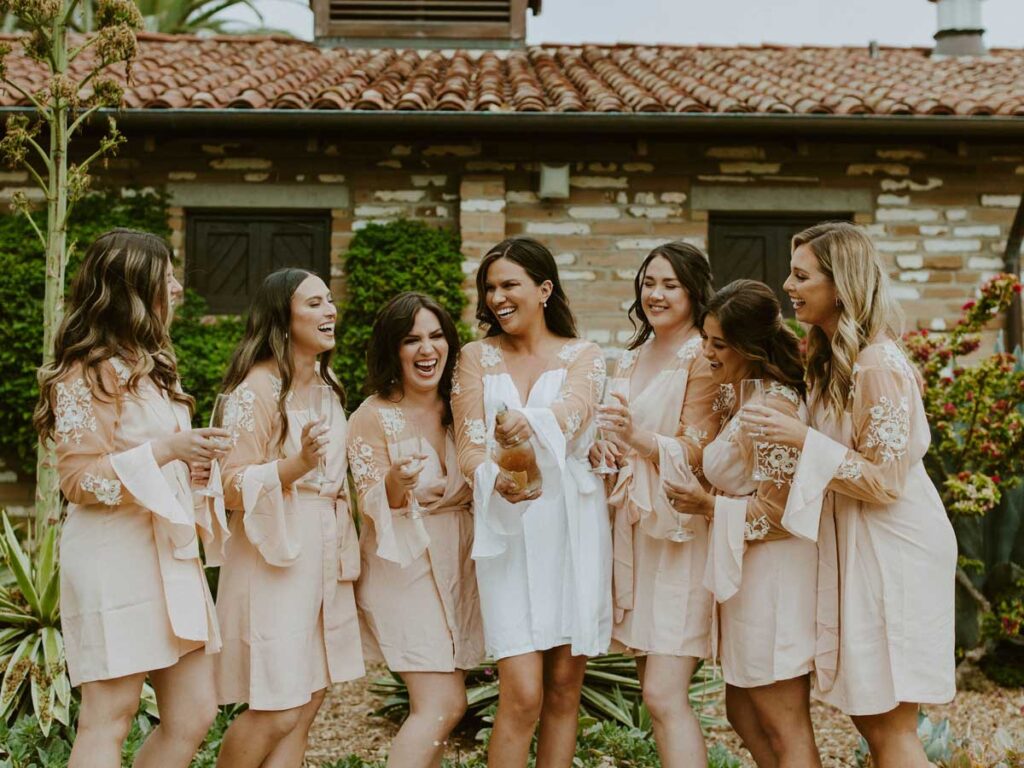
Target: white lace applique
{"x": 896, "y": 361}
{"x": 597, "y": 375}
{"x": 121, "y": 369}
{"x": 698, "y": 436}
{"x": 890, "y": 428}
{"x": 360, "y": 458}
{"x": 393, "y": 421}
{"x": 777, "y": 462}
{"x": 476, "y": 431}
{"x": 724, "y": 402}
{"x": 239, "y": 479}
{"x": 275, "y": 385}
{"x": 73, "y": 414}
{"x": 456, "y": 383}
{"x": 756, "y": 529}
{"x": 490, "y": 355}
{"x": 571, "y": 351}
{"x": 241, "y": 409}
{"x": 573, "y": 422}
{"x": 854, "y": 378}
{"x": 628, "y": 359}
{"x": 690, "y": 349}
{"x": 850, "y": 469}
{"x": 781, "y": 390}
{"x": 106, "y": 491}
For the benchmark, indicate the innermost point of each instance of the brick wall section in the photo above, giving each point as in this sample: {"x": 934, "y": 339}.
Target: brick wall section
{"x": 940, "y": 211}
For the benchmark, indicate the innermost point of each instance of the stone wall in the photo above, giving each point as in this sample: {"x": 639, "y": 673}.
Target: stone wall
{"x": 939, "y": 210}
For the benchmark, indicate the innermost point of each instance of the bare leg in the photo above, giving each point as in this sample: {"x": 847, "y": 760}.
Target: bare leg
{"x": 188, "y": 707}
{"x": 437, "y": 702}
{"x": 520, "y": 696}
{"x": 254, "y": 734}
{"x": 291, "y": 750}
{"x": 559, "y": 715}
{"x": 784, "y": 712}
{"x": 665, "y": 681}
{"x": 892, "y": 737}
{"x": 743, "y": 719}
{"x": 104, "y": 720}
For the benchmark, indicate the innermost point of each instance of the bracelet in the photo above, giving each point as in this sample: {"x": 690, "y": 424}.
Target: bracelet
{"x": 654, "y": 449}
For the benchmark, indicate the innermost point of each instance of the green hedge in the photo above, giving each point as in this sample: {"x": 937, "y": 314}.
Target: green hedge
{"x": 22, "y": 276}
{"x": 383, "y": 260}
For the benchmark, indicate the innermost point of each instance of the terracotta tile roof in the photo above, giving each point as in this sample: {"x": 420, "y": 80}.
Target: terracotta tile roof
{"x": 268, "y": 73}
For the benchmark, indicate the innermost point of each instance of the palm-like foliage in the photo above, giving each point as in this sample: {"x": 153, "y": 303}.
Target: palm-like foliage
{"x": 611, "y": 692}
{"x": 31, "y": 649}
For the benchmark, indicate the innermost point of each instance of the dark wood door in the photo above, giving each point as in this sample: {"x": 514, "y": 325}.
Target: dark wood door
{"x": 757, "y": 247}
{"x": 229, "y": 253}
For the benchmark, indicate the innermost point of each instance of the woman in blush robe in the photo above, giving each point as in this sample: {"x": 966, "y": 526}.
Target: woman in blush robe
{"x": 134, "y": 598}
{"x": 417, "y": 592}
{"x": 285, "y": 596}
{"x": 887, "y": 550}
{"x": 662, "y": 409}
{"x": 763, "y": 577}
{"x": 543, "y": 558}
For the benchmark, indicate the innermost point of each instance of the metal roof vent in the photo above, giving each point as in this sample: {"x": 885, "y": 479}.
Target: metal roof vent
{"x": 423, "y": 23}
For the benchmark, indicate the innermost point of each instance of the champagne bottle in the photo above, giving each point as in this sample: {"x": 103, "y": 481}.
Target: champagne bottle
{"x": 518, "y": 461}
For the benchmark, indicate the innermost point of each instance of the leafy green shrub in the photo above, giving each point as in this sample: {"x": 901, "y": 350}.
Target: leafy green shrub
{"x": 22, "y": 273}
{"x": 384, "y": 260}
{"x": 203, "y": 346}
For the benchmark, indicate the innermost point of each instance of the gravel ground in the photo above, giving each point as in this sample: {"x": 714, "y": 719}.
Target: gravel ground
{"x": 346, "y": 724}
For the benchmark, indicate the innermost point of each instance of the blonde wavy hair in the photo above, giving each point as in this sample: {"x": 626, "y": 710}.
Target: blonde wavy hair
{"x": 849, "y": 259}
{"x": 118, "y": 307}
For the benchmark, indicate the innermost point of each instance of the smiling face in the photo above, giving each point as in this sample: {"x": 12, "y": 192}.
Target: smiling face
{"x": 811, "y": 290}
{"x": 727, "y": 364}
{"x": 664, "y": 299}
{"x": 423, "y": 353}
{"x": 313, "y": 317}
{"x": 513, "y": 298}
{"x": 174, "y": 293}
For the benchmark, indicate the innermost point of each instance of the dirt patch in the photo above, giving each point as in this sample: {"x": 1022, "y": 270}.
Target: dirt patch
{"x": 346, "y": 724}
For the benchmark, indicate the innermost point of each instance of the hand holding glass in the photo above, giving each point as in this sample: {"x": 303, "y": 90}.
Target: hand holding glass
{"x": 224, "y": 416}
{"x": 412, "y": 448}
{"x": 320, "y": 409}
{"x": 603, "y": 468}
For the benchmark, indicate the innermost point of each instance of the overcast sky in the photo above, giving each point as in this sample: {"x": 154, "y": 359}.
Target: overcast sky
{"x": 829, "y": 22}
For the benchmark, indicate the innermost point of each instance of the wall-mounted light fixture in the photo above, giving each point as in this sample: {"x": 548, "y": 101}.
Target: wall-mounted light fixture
{"x": 554, "y": 182}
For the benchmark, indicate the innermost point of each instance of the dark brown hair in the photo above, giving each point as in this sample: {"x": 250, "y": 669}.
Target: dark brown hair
{"x": 118, "y": 307}
{"x": 691, "y": 267}
{"x": 393, "y": 323}
{"x": 266, "y": 337}
{"x": 751, "y": 320}
{"x": 539, "y": 265}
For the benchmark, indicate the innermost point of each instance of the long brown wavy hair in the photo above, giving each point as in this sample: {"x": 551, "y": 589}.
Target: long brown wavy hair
{"x": 119, "y": 306}
{"x": 691, "y": 268}
{"x": 751, "y": 320}
{"x": 848, "y": 257}
{"x": 391, "y": 326}
{"x": 266, "y": 337}
{"x": 539, "y": 265}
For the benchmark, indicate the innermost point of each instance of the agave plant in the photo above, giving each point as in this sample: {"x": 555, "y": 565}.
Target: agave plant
{"x": 35, "y": 676}
{"x": 611, "y": 692}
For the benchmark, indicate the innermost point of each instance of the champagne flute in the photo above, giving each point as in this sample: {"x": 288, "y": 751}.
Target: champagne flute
{"x": 412, "y": 447}
{"x": 320, "y": 406}
{"x": 752, "y": 393}
{"x": 223, "y": 416}
{"x": 605, "y": 399}
{"x": 681, "y": 533}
